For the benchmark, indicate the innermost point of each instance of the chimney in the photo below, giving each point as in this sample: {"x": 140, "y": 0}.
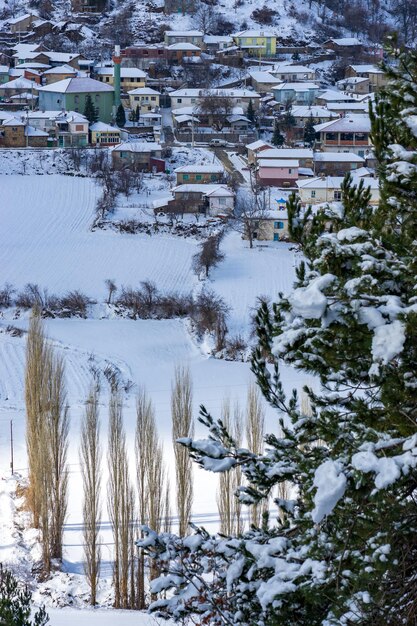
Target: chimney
{"x": 117, "y": 60}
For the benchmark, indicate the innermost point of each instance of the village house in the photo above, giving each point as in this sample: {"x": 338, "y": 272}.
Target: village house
{"x": 374, "y": 74}
{"x": 198, "y": 174}
{"x": 207, "y": 199}
{"x": 48, "y": 57}
{"x": 189, "y": 97}
{"x": 293, "y": 73}
{"x": 71, "y": 130}
{"x": 184, "y": 36}
{"x": 304, "y": 156}
{"x": 347, "y": 134}
{"x": 142, "y": 156}
{"x": 256, "y": 43}
{"x": 182, "y": 52}
{"x": 344, "y": 108}
{"x": 102, "y": 134}
{"x": 354, "y": 84}
{"x": 336, "y": 163}
{"x": 17, "y": 86}
{"x": 330, "y": 96}
{"x": 17, "y": 133}
{"x": 328, "y": 189}
{"x": 263, "y": 82}
{"x": 254, "y": 148}
{"x": 60, "y": 72}
{"x": 273, "y": 225}
{"x": 216, "y": 43}
{"x": 145, "y": 56}
{"x": 277, "y": 172}
{"x": 145, "y": 98}
{"x": 22, "y": 23}
{"x": 296, "y": 93}
{"x": 344, "y": 46}
{"x": 130, "y": 77}
{"x": 4, "y": 74}
{"x": 71, "y": 94}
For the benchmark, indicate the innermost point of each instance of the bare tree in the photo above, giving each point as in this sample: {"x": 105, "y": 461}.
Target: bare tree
{"x": 119, "y": 501}
{"x": 249, "y": 211}
{"x": 255, "y": 422}
{"x": 206, "y": 18}
{"x": 90, "y": 459}
{"x": 208, "y": 256}
{"x": 111, "y": 289}
{"x": 182, "y": 426}
{"x": 57, "y": 435}
{"x": 216, "y": 107}
{"x": 37, "y": 360}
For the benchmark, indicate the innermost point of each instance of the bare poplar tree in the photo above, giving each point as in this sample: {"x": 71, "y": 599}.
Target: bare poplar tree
{"x": 255, "y": 423}
{"x": 230, "y": 509}
{"x": 57, "y": 436}
{"x": 90, "y": 458}
{"x": 119, "y": 501}
{"x": 182, "y": 426}
{"x": 37, "y": 358}
{"x": 151, "y": 477}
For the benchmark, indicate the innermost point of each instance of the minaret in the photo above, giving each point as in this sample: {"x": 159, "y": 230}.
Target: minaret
{"x": 117, "y": 60}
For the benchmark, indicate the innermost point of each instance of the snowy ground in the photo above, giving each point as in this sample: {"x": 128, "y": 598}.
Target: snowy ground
{"x": 45, "y": 238}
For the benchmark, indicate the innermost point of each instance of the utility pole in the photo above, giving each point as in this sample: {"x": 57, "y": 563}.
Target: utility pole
{"x": 11, "y": 448}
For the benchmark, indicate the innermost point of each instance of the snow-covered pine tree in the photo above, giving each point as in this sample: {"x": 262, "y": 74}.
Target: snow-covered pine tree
{"x": 343, "y": 551}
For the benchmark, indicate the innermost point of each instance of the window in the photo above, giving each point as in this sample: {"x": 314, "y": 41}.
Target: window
{"x": 97, "y": 98}
{"x": 185, "y": 177}
{"x": 107, "y": 79}
{"x": 153, "y": 98}
{"x": 198, "y": 177}
{"x": 179, "y": 100}
{"x": 213, "y": 177}
{"x": 76, "y": 99}
{"x": 337, "y": 195}
{"x": 278, "y": 225}
{"x": 289, "y": 171}
{"x": 313, "y": 193}
{"x": 222, "y": 201}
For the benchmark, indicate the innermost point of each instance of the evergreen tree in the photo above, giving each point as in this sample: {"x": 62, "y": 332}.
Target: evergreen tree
{"x": 250, "y": 113}
{"x": 137, "y": 113}
{"x": 16, "y": 603}
{"x": 344, "y": 547}
{"x": 90, "y": 110}
{"x": 278, "y": 139}
{"x": 309, "y": 132}
{"x": 120, "y": 116}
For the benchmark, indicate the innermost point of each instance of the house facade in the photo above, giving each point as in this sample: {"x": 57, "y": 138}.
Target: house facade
{"x": 348, "y": 134}
{"x": 71, "y": 94}
{"x": 130, "y": 77}
{"x": 336, "y": 163}
{"x": 104, "y": 135}
{"x": 296, "y": 93}
{"x": 190, "y": 97}
{"x": 256, "y": 43}
{"x": 328, "y": 189}
{"x": 145, "y": 98}
{"x": 184, "y": 36}
{"x": 277, "y": 173}
{"x": 207, "y": 199}
{"x": 199, "y": 174}
{"x": 143, "y": 156}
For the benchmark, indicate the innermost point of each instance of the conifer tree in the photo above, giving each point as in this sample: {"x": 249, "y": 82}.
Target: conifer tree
{"x": 120, "y": 116}
{"x": 278, "y": 138}
{"x": 309, "y": 132}
{"x": 250, "y": 113}
{"x": 90, "y": 110}
{"x": 16, "y": 607}
{"x": 345, "y": 550}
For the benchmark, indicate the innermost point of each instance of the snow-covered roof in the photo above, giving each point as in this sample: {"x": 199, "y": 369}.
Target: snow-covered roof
{"x": 217, "y": 39}
{"x": 286, "y": 153}
{"x": 264, "y": 77}
{"x": 22, "y": 48}
{"x": 61, "y": 69}
{"x": 314, "y": 111}
{"x": 354, "y": 122}
{"x": 19, "y": 83}
{"x": 77, "y": 85}
{"x": 277, "y": 162}
{"x": 25, "y": 95}
{"x": 352, "y": 80}
{"x": 334, "y": 182}
{"x": 30, "y": 131}
{"x": 366, "y": 68}
{"x": 292, "y": 69}
{"x": 205, "y": 189}
{"x": 143, "y": 91}
{"x": 346, "y": 41}
{"x": 33, "y": 65}
{"x": 199, "y": 93}
{"x": 183, "y": 33}
{"x": 295, "y": 87}
{"x": 199, "y": 169}
{"x": 16, "y": 20}
{"x": 13, "y": 121}
{"x": 182, "y": 45}
{"x": 255, "y": 145}
{"x": 4, "y": 69}
{"x": 254, "y": 33}
{"x": 138, "y": 146}
{"x": 102, "y": 127}
{"x": 331, "y": 95}
{"x": 125, "y": 72}
{"x": 341, "y": 157}
{"x": 185, "y": 118}
{"x": 347, "y": 106}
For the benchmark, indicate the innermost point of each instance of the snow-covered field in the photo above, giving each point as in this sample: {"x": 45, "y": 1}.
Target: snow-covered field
{"x": 45, "y": 238}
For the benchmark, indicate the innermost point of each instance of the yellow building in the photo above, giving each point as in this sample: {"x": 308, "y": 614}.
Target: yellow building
{"x": 256, "y": 43}
{"x": 144, "y": 97}
{"x": 104, "y": 134}
{"x": 130, "y": 77}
